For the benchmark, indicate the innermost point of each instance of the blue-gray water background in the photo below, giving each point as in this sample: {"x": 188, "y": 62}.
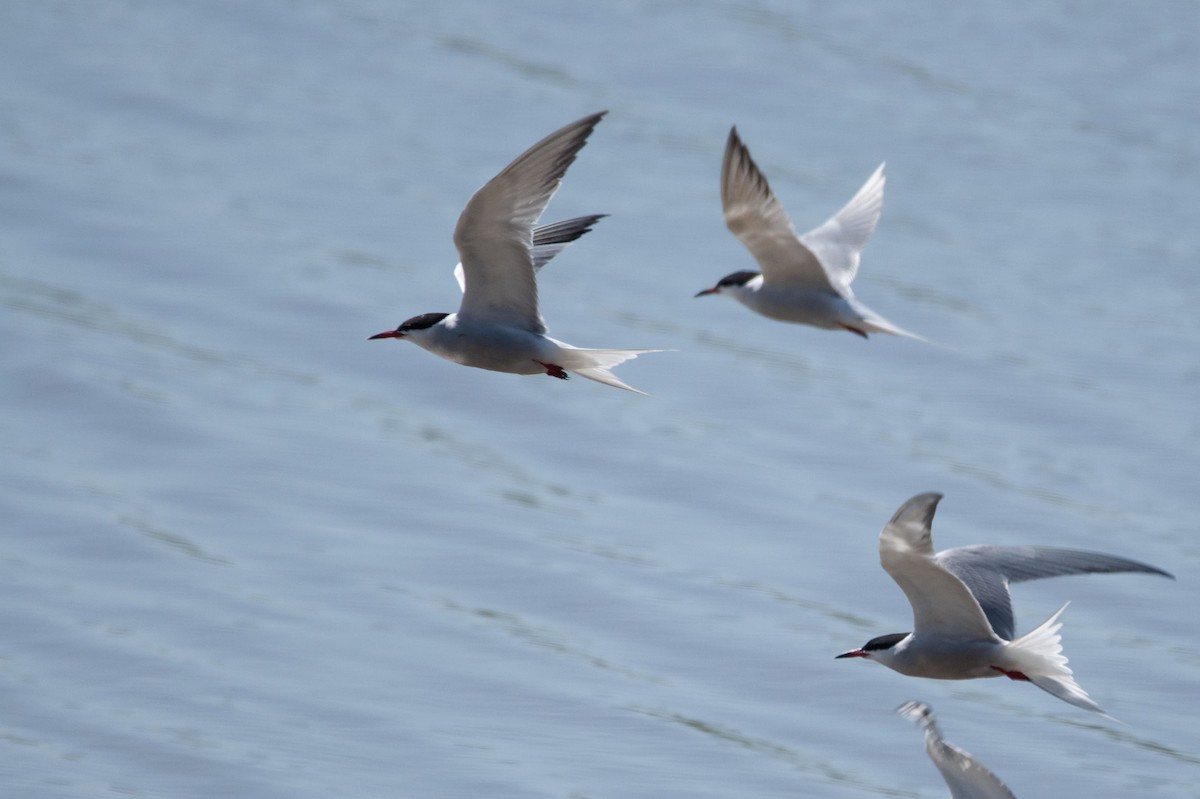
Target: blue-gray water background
{"x": 248, "y": 553}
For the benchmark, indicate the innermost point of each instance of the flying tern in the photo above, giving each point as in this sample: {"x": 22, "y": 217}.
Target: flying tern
{"x": 963, "y": 625}
{"x": 804, "y": 279}
{"x": 497, "y": 325}
{"x": 966, "y": 776}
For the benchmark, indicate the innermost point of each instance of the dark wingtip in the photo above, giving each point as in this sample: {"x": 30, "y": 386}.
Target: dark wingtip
{"x": 922, "y": 507}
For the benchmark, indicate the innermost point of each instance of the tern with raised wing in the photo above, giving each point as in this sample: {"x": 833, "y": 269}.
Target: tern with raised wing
{"x": 963, "y": 625}
{"x": 966, "y": 777}
{"x": 803, "y": 279}
{"x": 497, "y": 325}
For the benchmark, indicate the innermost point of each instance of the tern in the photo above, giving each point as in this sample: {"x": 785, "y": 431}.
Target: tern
{"x": 804, "y": 279}
{"x": 966, "y": 777}
{"x": 963, "y": 625}
{"x": 498, "y": 326}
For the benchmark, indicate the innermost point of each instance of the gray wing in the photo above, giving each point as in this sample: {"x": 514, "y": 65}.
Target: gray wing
{"x": 755, "y": 217}
{"x": 494, "y": 233}
{"x": 548, "y": 241}
{"x": 942, "y": 603}
{"x": 966, "y": 777}
{"x": 988, "y": 570}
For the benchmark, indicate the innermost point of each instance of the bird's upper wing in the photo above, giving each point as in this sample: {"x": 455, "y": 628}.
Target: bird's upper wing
{"x": 987, "y": 570}
{"x": 966, "y": 777}
{"x": 941, "y": 603}
{"x": 494, "y": 233}
{"x": 838, "y": 243}
{"x": 548, "y": 241}
{"x": 759, "y": 222}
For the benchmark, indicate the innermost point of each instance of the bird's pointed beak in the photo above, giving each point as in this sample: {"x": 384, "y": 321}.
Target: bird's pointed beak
{"x": 853, "y": 653}
{"x": 387, "y": 334}
{"x": 712, "y": 290}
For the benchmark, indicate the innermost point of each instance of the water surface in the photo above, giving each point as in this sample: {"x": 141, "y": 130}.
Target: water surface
{"x": 248, "y": 553}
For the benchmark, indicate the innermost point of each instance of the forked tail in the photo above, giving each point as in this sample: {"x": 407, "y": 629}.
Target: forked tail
{"x": 870, "y": 322}
{"x": 874, "y": 323}
{"x": 595, "y": 364}
{"x": 1038, "y": 656}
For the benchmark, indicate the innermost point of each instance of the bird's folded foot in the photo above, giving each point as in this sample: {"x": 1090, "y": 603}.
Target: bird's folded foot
{"x": 554, "y": 370}
{"x": 1012, "y": 675}
{"x": 855, "y": 330}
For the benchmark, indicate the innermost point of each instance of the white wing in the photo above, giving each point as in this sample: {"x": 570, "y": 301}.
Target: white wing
{"x": 966, "y": 776}
{"x": 548, "y": 241}
{"x": 838, "y": 243}
{"x": 941, "y": 603}
{"x": 494, "y": 233}
{"x": 759, "y": 222}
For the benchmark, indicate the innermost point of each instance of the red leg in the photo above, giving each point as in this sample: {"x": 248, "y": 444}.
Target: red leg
{"x": 862, "y": 333}
{"x": 554, "y": 370}
{"x": 1012, "y": 675}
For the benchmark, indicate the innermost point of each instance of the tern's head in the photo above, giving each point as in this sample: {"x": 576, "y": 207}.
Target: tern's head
{"x": 881, "y": 648}
{"x": 412, "y": 326}
{"x": 730, "y": 283}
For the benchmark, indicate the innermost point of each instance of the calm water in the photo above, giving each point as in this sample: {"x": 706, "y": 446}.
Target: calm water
{"x": 248, "y": 553}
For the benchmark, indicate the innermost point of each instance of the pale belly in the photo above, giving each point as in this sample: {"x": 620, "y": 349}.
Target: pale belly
{"x": 803, "y": 306}
{"x": 953, "y": 661}
{"x": 498, "y": 350}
